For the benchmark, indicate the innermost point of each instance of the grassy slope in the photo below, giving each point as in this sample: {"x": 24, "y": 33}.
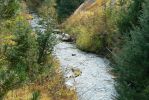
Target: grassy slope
{"x": 93, "y": 25}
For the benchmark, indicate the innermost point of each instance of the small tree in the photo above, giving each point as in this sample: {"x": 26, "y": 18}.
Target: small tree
{"x": 46, "y": 40}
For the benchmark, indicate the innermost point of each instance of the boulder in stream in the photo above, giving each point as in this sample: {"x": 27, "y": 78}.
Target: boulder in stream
{"x": 76, "y": 71}
{"x": 66, "y": 37}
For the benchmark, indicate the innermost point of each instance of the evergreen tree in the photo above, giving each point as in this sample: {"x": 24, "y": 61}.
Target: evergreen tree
{"x": 129, "y": 15}
{"x": 133, "y": 64}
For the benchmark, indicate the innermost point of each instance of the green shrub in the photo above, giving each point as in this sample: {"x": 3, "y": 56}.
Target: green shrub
{"x": 9, "y": 8}
{"x": 88, "y": 41}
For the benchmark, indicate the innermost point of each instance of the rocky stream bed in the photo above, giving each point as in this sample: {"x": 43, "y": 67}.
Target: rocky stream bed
{"x": 87, "y": 73}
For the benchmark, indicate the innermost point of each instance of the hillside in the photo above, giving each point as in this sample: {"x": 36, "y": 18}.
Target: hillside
{"x": 92, "y": 21}
{"x": 91, "y": 5}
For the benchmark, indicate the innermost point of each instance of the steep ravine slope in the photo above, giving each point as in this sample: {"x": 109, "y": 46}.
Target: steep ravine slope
{"x": 93, "y": 25}
{"x": 91, "y": 5}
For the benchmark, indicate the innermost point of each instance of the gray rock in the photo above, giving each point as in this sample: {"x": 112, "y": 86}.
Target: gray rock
{"x": 66, "y": 37}
{"x": 73, "y": 54}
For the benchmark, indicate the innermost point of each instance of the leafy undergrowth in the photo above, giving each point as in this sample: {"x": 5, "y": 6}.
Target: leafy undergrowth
{"x": 51, "y": 87}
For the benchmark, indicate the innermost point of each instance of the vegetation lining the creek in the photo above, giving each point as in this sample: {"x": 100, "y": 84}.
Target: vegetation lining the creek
{"x": 27, "y": 68}
{"x": 117, "y": 29}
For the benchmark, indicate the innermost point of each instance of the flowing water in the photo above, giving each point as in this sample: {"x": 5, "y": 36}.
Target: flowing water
{"x": 87, "y": 73}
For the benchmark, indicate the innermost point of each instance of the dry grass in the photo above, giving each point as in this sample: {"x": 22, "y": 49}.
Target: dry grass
{"x": 51, "y": 87}
{"x": 90, "y": 23}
